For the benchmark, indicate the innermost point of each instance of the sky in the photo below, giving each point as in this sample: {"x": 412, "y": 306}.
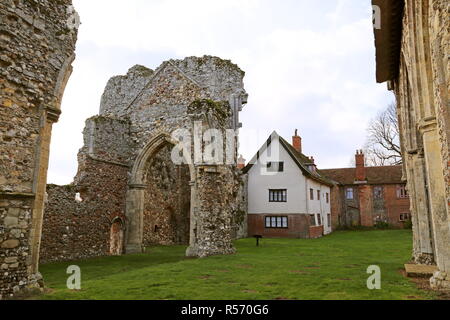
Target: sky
{"x": 310, "y": 65}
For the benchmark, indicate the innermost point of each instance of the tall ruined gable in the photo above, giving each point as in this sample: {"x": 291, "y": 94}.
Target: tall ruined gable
{"x": 122, "y": 90}
{"x": 221, "y": 78}
{"x": 127, "y": 179}
{"x": 168, "y": 87}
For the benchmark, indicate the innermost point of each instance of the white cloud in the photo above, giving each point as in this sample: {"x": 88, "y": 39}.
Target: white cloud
{"x": 309, "y": 65}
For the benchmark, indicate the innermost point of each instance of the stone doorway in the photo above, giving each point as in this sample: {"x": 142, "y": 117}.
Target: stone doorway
{"x": 116, "y": 237}
{"x": 166, "y": 201}
{"x": 159, "y": 198}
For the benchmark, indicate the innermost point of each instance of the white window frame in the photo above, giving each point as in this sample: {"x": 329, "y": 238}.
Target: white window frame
{"x": 278, "y": 195}
{"x": 348, "y": 191}
{"x": 276, "y": 222}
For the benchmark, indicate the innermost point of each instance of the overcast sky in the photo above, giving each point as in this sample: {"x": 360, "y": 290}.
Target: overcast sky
{"x": 310, "y": 65}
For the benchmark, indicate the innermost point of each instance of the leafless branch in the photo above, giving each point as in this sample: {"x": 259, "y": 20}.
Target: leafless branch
{"x": 383, "y": 142}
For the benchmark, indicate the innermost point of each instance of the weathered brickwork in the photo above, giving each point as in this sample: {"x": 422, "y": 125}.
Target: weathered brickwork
{"x": 315, "y": 232}
{"x": 77, "y": 230}
{"x": 133, "y": 193}
{"x": 365, "y": 196}
{"x": 337, "y": 206}
{"x": 299, "y": 227}
{"x": 37, "y": 41}
{"x": 421, "y": 84}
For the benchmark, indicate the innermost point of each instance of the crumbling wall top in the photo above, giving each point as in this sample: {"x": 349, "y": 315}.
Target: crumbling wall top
{"x": 122, "y": 90}
{"x": 218, "y": 79}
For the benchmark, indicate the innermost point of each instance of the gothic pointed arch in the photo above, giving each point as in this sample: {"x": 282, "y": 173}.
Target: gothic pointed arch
{"x": 136, "y": 195}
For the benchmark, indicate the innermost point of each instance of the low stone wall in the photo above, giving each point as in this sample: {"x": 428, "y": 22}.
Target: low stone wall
{"x": 71, "y": 230}
{"x": 78, "y": 230}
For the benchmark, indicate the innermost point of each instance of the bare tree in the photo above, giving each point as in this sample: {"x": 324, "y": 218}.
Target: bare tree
{"x": 383, "y": 139}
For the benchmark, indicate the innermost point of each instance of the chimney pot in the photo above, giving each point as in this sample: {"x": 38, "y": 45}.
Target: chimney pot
{"x": 360, "y": 166}
{"x": 297, "y": 141}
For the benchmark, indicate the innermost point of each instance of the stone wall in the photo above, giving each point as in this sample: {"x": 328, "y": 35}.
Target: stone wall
{"x": 38, "y": 39}
{"x": 126, "y": 172}
{"x": 422, "y": 96}
{"x": 121, "y": 90}
{"x": 77, "y": 230}
{"x": 71, "y": 230}
{"x": 240, "y": 223}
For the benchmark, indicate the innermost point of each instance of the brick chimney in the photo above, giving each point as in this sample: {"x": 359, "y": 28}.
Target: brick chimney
{"x": 241, "y": 163}
{"x": 360, "y": 174}
{"x": 297, "y": 142}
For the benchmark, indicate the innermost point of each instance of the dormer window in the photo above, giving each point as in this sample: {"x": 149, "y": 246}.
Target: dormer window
{"x": 275, "y": 166}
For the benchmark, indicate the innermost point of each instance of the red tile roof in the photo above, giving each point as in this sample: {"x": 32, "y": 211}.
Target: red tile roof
{"x": 375, "y": 175}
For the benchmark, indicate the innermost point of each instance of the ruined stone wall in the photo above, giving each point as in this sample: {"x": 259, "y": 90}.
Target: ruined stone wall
{"x": 120, "y": 91}
{"x": 440, "y": 47}
{"x": 221, "y": 77}
{"x": 126, "y": 171}
{"x": 212, "y": 226}
{"x": 108, "y": 139}
{"x": 422, "y": 95}
{"x": 71, "y": 230}
{"x": 240, "y": 223}
{"x": 77, "y": 230}
{"x": 37, "y": 41}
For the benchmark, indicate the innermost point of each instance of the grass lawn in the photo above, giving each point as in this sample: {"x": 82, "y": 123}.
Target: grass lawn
{"x": 333, "y": 267}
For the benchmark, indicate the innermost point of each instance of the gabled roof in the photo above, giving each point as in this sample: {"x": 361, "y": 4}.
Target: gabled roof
{"x": 300, "y": 159}
{"x": 375, "y": 175}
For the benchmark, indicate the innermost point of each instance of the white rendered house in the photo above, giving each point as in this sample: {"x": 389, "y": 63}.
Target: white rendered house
{"x": 287, "y": 195}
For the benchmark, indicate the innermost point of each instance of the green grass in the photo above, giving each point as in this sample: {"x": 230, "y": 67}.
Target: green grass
{"x": 333, "y": 267}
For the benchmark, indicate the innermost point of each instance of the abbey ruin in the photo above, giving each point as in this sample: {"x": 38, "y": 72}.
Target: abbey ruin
{"x": 159, "y": 163}
{"x": 150, "y": 171}
{"x": 132, "y": 192}
{"x": 412, "y": 44}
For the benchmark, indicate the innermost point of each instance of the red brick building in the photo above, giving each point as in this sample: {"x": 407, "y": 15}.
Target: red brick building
{"x": 364, "y": 195}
